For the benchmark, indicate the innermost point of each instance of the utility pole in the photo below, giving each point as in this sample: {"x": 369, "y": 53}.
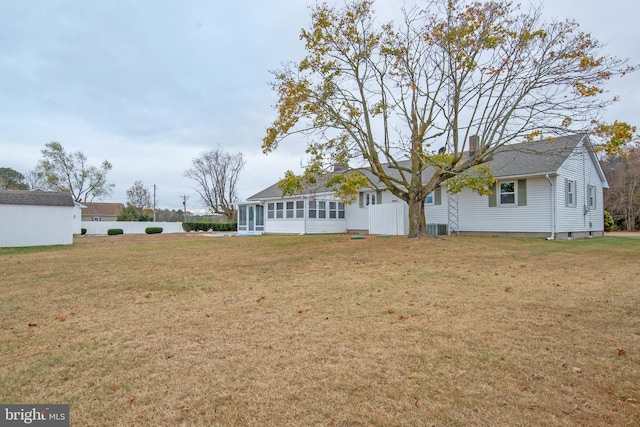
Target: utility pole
{"x": 184, "y": 204}
{"x": 154, "y": 203}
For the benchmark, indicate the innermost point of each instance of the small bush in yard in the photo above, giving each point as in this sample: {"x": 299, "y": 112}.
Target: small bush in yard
{"x": 153, "y": 230}
{"x": 609, "y": 223}
{"x": 83, "y": 231}
{"x": 114, "y": 231}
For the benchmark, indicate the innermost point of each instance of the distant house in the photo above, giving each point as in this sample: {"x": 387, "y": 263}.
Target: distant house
{"x": 546, "y": 188}
{"x": 101, "y": 211}
{"x": 37, "y": 218}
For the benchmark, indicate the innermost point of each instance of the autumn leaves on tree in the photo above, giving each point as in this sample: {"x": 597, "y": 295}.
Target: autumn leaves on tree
{"x": 380, "y": 93}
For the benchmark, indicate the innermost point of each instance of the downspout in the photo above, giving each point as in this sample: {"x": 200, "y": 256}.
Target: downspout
{"x": 553, "y": 211}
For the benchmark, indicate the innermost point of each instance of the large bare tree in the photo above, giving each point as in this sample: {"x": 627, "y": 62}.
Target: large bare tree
{"x": 383, "y": 93}
{"x": 216, "y": 172}
{"x": 62, "y": 171}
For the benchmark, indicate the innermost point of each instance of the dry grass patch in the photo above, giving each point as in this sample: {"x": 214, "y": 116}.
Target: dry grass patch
{"x": 324, "y": 330}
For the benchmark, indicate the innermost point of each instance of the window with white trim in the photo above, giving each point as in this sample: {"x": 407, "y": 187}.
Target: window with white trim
{"x": 313, "y": 205}
{"x": 366, "y": 198}
{"x": 326, "y": 209}
{"x": 507, "y": 193}
{"x": 279, "y": 210}
{"x": 333, "y": 210}
{"x": 591, "y": 196}
{"x": 430, "y": 200}
{"x": 289, "y": 211}
{"x": 322, "y": 210}
{"x": 570, "y": 193}
{"x": 271, "y": 210}
{"x": 242, "y": 215}
{"x": 300, "y": 209}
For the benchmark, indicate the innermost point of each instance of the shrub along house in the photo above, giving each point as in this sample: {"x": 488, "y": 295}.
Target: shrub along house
{"x": 37, "y": 218}
{"x": 547, "y": 188}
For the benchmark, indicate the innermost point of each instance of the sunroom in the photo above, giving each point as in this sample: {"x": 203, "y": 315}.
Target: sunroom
{"x": 301, "y": 215}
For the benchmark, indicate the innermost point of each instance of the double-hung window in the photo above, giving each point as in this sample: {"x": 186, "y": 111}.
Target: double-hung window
{"x": 591, "y": 195}
{"x": 300, "y": 209}
{"x": 322, "y": 210}
{"x": 570, "y": 193}
{"x": 289, "y": 212}
{"x": 507, "y": 194}
{"x": 312, "y": 209}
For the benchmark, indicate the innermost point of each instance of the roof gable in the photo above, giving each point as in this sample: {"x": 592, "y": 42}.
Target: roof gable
{"x": 35, "y": 198}
{"x": 533, "y": 158}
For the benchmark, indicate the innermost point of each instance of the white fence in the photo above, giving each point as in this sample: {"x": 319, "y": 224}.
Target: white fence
{"x": 390, "y": 218}
{"x": 130, "y": 227}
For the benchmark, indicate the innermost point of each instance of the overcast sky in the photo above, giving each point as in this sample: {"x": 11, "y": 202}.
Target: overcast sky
{"x": 150, "y": 84}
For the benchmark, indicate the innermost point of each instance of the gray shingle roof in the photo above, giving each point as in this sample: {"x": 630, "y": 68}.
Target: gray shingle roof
{"x": 533, "y": 158}
{"x": 274, "y": 191}
{"x": 99, "y": 208}
{"x": 524, "y": 159}
{"x": 35, "y": 198}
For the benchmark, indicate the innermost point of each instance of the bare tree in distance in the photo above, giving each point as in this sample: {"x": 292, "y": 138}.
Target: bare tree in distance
{"x": 216, "y": 172}
{"x": 384, "y": 95}
{"x": 34, "y": 179}
{"x": 62, "y": 171}
{"x": 139, "y": 197}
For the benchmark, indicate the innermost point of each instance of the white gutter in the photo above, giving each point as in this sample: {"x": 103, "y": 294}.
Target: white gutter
{"x": 553, "y": 211}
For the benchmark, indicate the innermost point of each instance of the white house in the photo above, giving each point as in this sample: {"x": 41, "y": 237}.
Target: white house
{"x": 547, "y": 188}
{"x": 37, "y": 218}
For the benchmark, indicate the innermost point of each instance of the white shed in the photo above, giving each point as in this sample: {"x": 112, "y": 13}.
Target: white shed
{"x": 36, "y": 218}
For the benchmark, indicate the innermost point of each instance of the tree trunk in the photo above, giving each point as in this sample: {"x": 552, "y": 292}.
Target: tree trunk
{"x": 417, "y": 221}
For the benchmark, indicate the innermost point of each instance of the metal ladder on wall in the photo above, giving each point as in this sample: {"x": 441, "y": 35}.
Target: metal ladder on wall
{"x": 452, "y": 210}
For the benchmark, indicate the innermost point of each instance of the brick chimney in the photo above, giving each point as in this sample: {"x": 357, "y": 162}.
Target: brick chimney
{"x": 474, "y": 144}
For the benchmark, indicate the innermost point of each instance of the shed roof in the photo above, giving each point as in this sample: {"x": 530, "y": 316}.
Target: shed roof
{"x": 35, "y": 198}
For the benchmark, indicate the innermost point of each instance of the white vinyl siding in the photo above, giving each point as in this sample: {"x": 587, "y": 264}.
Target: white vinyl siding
{"x": 580, "y": 169}
{"x": 36, "y": 225}
{"x": 475, "y": 214}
